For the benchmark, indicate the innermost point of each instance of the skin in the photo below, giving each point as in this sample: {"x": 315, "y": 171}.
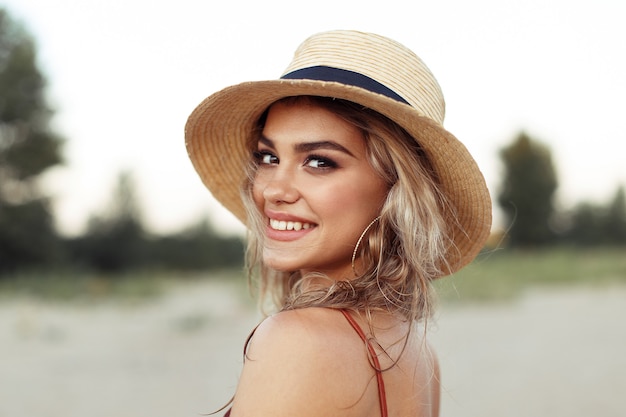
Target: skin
{"x": 313, "y": 170}
{"x": 310, "y": 362}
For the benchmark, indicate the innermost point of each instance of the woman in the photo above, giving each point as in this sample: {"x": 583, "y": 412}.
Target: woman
{"x": 356, "y": 198}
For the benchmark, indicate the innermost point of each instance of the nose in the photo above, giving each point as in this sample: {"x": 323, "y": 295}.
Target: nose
{"x": 280, "y": 188}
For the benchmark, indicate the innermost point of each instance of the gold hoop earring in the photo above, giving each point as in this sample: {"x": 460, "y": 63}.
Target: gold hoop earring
{"x": 358, "y": 243}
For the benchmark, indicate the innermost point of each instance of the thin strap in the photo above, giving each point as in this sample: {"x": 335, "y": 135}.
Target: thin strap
{"x": 379, "y": 374}
{"x": 245, "y": 353}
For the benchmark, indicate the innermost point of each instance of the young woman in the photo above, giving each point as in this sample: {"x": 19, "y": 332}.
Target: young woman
{"x": 356, "y": 198}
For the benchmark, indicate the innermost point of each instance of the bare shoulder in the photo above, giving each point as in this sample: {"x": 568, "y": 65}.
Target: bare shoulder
{"x": 303, "y": 362}
{"x": 305, "y": 320}
{"x": 304, "y": 329}
{"x": 414, "y": 384}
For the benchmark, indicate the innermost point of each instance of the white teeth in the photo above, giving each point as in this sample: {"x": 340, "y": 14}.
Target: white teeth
{"x": 288, "y": 225}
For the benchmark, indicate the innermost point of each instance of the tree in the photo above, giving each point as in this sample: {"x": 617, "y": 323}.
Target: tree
{"x": 527, "y": 191}
{"x": 117, "y": 241}
{"x": 616, "y": 218}
{"x": 116, "y": 238}
{"x": 28, "y": 147}
{"x": 588, "y": 222}
{"x": 596, "y": 224}
{"x": 198, "y": 247}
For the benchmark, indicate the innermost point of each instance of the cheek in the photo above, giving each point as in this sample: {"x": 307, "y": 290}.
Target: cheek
{"x": 258, "y": 185}
{"x": 257, "y": 194}
{"x": 366, "y": 192}
{"x": 358, "y": 201}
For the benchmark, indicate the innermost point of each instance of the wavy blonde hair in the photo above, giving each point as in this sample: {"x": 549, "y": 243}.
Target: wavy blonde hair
{"x": 399, "y": 254}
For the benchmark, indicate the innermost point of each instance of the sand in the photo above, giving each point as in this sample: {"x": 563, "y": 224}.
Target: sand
{"x": 548, "y": 353}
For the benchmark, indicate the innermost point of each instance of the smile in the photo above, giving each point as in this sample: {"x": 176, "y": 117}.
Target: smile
{"x": 289, "y": 225}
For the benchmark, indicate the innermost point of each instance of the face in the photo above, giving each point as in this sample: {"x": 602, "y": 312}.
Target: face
{"x": 315, "y": 188}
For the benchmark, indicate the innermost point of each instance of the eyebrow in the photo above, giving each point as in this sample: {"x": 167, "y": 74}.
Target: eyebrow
{"x": 304, "y": 147}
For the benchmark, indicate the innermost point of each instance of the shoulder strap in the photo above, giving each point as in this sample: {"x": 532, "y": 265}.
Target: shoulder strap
{"x": 379, "y": 374}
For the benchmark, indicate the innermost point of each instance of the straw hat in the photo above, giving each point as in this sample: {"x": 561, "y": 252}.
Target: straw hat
{"x": 364, "y": 68}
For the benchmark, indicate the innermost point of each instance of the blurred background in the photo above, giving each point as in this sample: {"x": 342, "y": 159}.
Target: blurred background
{"x": 122, "y": 289}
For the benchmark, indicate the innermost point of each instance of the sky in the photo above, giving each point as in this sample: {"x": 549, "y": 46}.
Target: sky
{"x": 123, "y": 76}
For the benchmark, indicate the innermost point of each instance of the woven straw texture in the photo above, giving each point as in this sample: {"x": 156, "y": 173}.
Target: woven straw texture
{"x": 218, "y": 129}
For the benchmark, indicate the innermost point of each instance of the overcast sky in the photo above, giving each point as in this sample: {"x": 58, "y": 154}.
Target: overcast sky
{"x": 124, "y": 76}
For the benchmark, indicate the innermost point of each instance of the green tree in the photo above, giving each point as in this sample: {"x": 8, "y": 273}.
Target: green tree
{"x": 198, "y": 247}
{"x": 28, "y": 147}
{"x": 116, "y": 239}
{"x": 527, "y": 191}
{"x": 615, "y": 225}
{"x": 587, "y": 225}
{"x": 597, "y": 224}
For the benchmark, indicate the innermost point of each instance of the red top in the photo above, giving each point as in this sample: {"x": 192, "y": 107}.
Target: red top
{"x": 379, "y": 373}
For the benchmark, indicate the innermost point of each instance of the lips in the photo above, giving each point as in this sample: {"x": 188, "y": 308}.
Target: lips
{"x": 284, "y": 225}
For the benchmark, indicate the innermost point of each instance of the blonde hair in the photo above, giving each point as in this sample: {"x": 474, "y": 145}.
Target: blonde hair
{"x": 400, "y": 253}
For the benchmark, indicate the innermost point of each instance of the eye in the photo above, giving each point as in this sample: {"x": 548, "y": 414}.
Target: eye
{"x": 320, "y": 162}
{"x": 265, "y": 158}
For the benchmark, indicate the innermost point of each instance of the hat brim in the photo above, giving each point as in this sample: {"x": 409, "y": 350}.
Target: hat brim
{"x": 218, "y": 129}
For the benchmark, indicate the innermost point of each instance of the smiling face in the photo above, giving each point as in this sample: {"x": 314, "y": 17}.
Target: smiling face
{"x": 315, "y": 189}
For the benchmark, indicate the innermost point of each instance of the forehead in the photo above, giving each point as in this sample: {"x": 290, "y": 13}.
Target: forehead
{"x": 303, "y": 121}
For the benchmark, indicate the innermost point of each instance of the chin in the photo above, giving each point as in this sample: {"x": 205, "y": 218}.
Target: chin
{"x": 280, "y": 264}
{"x": 282, "y": 260}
